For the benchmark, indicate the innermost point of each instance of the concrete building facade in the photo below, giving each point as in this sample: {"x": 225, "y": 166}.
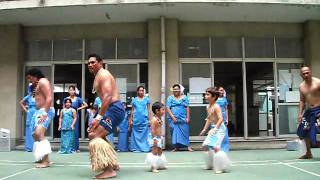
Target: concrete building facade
{"x": 252, "y": 48}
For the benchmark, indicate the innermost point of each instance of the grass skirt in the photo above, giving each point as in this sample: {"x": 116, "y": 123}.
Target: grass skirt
{"x": 102, "y": 155}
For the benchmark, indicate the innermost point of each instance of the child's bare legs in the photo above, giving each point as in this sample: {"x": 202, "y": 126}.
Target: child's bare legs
{"x": 216, "y": 149}
{"x": 157, "y": 151}
{"x": 208, "y": 157}
{"x": 154, "y": 151}
{"x": 160, "y": 153}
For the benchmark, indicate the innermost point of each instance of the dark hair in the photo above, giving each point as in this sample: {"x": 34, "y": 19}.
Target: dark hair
{"x": 95, "y": 107}
{"x": 35, "y": 73}
{"x": 98, "y": 58}
{"x": 176, "y": 85}
{"x": 156, "y": 106}
{"x": 140, "y": 87}
{"x": 66, "y": 100}
{"x": 72, "y": 86}
{"x": 305, "y": 67}
{"x": 213, "y": 91}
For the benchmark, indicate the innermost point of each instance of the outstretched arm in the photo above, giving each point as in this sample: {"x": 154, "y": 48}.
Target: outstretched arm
{"x": 206, "y": 127}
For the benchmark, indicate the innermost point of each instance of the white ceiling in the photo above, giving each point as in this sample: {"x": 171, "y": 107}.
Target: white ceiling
{"x": 220, "y": 12}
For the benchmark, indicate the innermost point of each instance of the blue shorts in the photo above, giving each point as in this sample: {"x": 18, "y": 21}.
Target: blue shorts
{"x": 45, "y": 123}
{"x": 113, "y": 117}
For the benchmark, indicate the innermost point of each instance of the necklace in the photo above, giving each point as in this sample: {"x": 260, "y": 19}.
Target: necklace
{"x": 34, "y": 90}
{"x": 159, "y": 120}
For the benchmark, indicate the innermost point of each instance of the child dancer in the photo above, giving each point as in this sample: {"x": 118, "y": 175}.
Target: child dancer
{"x": 91, "y": 112}
{"x": 156, "y": 158}
{"x": 215, "y": 159}
{"x": 67, "y": 120}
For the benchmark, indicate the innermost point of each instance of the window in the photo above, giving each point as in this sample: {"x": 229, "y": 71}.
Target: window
{"x": 222, "y": 47}
{"x": 192, "y": 71}
{"x": 126, "y": 76}
{"x": 105, "y": 48}
{"x": 194, "y": 47}
{"x": 67, "y": 50}
{"x": 289, "y": 47}
{"x": 259, "y": 47}
{"x": 39, "y": 50}
{"x": 133, "y": 48}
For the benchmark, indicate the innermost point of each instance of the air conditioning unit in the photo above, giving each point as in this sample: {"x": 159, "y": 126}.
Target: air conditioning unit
{"x": 4, "y": 140}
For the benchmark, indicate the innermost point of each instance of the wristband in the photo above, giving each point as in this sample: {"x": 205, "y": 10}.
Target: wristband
{"x": 99, "y": 117}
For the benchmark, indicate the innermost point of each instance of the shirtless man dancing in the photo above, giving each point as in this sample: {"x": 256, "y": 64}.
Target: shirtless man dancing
{"x": 42, "y": 92}
{"x": 111, "y": 113}
{"x": 309, "y": 110}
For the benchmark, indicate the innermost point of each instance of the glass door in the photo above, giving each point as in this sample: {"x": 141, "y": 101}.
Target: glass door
{"x": 196, "y": 77}
{"x": 229, "y": 76}
{"x": 127, "y": 79}
{"x": 288, "y": 96}
{"x": 260, "y": 99}
{"x": 64, "y": 76}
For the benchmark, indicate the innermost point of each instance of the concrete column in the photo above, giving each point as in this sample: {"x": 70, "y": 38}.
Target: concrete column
{"x": 154, "y": 59}
{"x": 172, "y": 62}
{"x": 312, "y": 44}
{"x": 11, "y": 53}
{"x": 172, "y": 46}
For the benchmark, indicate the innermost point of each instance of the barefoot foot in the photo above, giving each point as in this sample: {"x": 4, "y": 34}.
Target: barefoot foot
{"x": 43, "y": 164}
{"x": 106, "y": 174}
{"x": 306, "y": 156}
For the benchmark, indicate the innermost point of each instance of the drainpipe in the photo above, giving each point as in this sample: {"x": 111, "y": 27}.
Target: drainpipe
{"x": 163, "y": 74}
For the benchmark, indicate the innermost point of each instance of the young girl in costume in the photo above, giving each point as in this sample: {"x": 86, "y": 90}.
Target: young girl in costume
{"x": 67, "y": 120}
